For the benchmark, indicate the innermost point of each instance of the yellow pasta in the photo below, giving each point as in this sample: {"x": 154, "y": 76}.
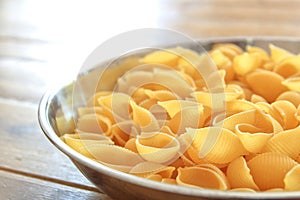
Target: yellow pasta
{"x": 176, "y": 118}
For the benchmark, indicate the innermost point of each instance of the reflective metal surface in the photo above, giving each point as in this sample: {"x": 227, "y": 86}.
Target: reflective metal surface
{"x": 120, "y": 185}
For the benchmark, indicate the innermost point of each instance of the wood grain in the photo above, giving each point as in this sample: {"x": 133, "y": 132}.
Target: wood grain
{"x": 14, "y": 186}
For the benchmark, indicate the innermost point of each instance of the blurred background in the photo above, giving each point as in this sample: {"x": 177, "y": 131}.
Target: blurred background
{"x": 43, "y": 42}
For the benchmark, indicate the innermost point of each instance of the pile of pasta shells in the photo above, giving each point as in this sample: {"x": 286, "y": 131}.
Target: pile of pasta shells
{"x": 235, "y": 128}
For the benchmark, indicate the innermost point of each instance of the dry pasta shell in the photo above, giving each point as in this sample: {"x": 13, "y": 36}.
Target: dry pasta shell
{"x": 292, "y": 83}
{"x": 288, "y": 66}
{"x": 228, "y": 49}
{"x": 285, "y": 142}
{"x": 245, "y": 63}
{"x": 122, "y": 131}
{"x": 263, "y": 82}
{"x": 291, "y": 179}
{"x": 174, "y": 106}
{"x": 238, "y": 175}
{"x": 206, "y": 178}
{"x": 169, "y": 181}
{"x": 161, "y": 95}
{"x": 253, "y": 138}
{"x": 223, "y": 62}
{"x": 287, "y": 113}
{"x": 115, "y": 157}
{"x": 94, "y": 123}
{"x": 242, "y": 190}
{"x": 93, "y": 101}
{"x": 148, "y": 168}
{"x": 291, "y": 96}
{"x": 191, "y": 116}
{"x": 269, "y": 169}
{"x": 166, "y": 57}
{"x": 216, "y": 145}
{"x": 80, "y": 141}
{"x": 259, "y": 51}
{"x": 144, "y": 118}
{"x": 157, "y": 147}
{"x": 278, "y": 54}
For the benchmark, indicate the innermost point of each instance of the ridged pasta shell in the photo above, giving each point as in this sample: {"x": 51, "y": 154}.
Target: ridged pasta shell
{"x": 278, "y": 54}
{"x": 175, "y": 106}
{"x": 191, "y": 116}
{"x": 263, "y": 82}
{"x": 286, "y": 112}
{"x": 122, "y": 131}
{"x": 130, "y": 145}
{"x": 291, "y": 179}
{"x": 157, "y": 147}
{"x": 256, "y": 98}
{"x": 242, "y": 190}
{"x": 245, "y": 63}
{"x": 228, "y": 49}
{"x": 223, "y": 62}
{"x": 206, "y": 178}
{"x": 118, "y": 104}
{"x": 169, "y": 181}
{"x": 292, "y": 83}
{"x": 147, "y": 168}
{"x": 285, "y": 142}
{"x": 116, "y": 157}
{"x": 216, "y": 145}
{"x": 269, "y": 169}
{"x": 238, "y": 175}
{"x": 237, "y": 106}
{"x": 161, "y": 95}
{"x": 93, "y": 101}
{"x": 166, "y": 57}
{"x": 288, "y": 66}
{"x": 144, "y": 118}
{"x": 94, "y": 123}
{"x": 291, "y": 96}
{"x": 252, "y": 138}
{"x": 80, "y": 141}
{"x": 258, "y": 51}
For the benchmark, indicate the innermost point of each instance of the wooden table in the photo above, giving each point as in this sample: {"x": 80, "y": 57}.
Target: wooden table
{"x": 43, "y": 42}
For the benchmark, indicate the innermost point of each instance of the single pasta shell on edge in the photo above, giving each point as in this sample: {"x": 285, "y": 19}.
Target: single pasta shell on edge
{"x": 263, "y": 82}
{"x": 157, "y": 147}
{"x": 215, "y": 145}
{"x": 116, "y": 157}
{"x": 200, "y": 177}
{"x": 269, "y": 169}
{"x": 292, "y": 179}
{"x": 238, "y": 175}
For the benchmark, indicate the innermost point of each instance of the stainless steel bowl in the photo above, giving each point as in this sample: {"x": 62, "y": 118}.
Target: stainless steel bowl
{"x": 120, "y": 185}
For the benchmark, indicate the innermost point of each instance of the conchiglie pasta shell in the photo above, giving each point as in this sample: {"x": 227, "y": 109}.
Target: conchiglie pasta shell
{"x": 286, "y": 142}
{"x": 242, "y": 190}
{"x": 291, "y": 96}
{"x": 278, "y": 54}
{"x": 93, "y": 101}
{"x": 228, "y": 49}
{"x": 245, "y": 63}
{"x": 291, "y": 179}
{"x": 157, "y": 147}
{"x": 237, "y": 106}
{"x": 263, "y": 82}
{"x": 175, "y": 106}
{"x": 144, "y": 118}
{"x": 206, "y": 178}
{"x": 288, "y": 66}
{"x": 94, "y": 123}
{"x": 161, "y": 95}
{"x": 147, "y": 168}
{"x": 287, "y": 113}
{"x": 122, "y": 131}
{"x": 252, "y": 138}
{"x": 169, "y": 181}
{"x": 80, "y": 141}
{"x": 259, "y": 51}
{"x": 269, "y": 169}
{"x": 292, "y": 83}
{"x": 216, "y": 145}
{"x": 191, "y": 116}
{"x": 116, "y": 157}
{"x": 166, "y": 57}
{"x": 154, "y": 177}
{"x": 238, "y": 175}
